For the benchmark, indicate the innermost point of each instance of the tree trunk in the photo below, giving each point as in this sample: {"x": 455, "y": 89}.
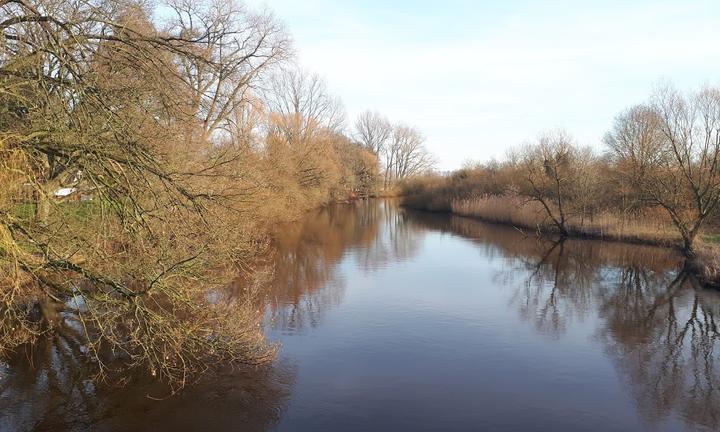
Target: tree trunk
{"x": 689, "y": 243}
{"x": 42, "y": 206}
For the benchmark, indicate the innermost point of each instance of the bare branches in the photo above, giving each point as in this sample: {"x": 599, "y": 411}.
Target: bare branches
{"x": 234, "y": 49}
{"x": 669, "y": 149}
{"x": 401, "y": 148}
{"x": 302, "y": 106}
{"x": 373, "y": 131}
{"x": 408, "y": 153}
{"x": 92, "y": 99}
{"x": 559, "y": 175}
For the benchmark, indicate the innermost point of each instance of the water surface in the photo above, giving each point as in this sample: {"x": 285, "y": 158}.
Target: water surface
{"x": 396, "y": 320}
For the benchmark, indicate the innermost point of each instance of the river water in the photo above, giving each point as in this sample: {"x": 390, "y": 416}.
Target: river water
{"x": 389, "y": 319}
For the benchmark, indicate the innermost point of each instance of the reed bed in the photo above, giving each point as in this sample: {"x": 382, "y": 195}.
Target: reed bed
{"x": 649, "y": 227}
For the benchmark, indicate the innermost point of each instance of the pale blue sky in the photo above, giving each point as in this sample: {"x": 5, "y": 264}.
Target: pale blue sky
{"x": 478, "y": 77}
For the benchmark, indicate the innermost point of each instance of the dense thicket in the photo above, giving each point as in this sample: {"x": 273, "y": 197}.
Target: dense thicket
{"x": 142, "y": 161}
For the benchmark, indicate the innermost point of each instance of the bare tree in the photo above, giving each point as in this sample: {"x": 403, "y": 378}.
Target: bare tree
{"x": 670, "y": 149}
{"x": 234, "y": 48}
{"x": 304, "y": 126}
{"x": 406, "y": 154}
{"x": 302, "y": 105}
{"x": 635, "y": 144}
{"x": 557, "y": 174}
{"x": 373, "y": 131}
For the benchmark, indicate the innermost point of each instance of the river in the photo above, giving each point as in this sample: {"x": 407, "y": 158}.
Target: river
{"x": 389, "y": 319}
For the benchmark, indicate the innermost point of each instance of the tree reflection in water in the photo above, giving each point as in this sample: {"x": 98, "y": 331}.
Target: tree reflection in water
{"x": 306, "y": 281}
{"x": 662, "y": 339}
{"x": 657, "y": 324}
{"x": 46, "y": 387}
{"x": 52, "y": 394}
{"x": 653, "y": 321}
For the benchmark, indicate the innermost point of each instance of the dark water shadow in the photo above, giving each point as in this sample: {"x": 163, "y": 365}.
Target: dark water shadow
{"x": 58, "y": 397}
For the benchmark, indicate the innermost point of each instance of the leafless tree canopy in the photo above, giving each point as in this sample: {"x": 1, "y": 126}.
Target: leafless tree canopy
{"x": 669, "y": 150}
{"x": 373, "y": 131}
{"x": 141, "y": 166}
{"x": 302, "y": 104}
{"x": 234, "y": 49}
{"x": 557, "y": 174}
{"x": 406, "y": 154}
{"x": 401, "y": 148}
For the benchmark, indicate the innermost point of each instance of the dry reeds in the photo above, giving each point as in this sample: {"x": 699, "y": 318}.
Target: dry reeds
{"x": 519, "y": 212}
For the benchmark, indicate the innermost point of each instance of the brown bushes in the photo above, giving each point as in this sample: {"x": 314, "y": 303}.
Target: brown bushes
{"x": 185, "y": 167}
{"x": 437, "y": 193}
{"x": 707, "y": 265}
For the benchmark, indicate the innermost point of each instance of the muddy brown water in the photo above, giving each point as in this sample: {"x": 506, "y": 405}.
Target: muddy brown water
{"x": 390, "y": 319}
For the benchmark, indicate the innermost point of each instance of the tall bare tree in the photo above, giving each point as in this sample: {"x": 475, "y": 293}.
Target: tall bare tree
{"x": 305, "y": 123}
{"x": 670, "y": 149}
{"x": 233, "y": 48}
{"x": 406, "y": 154}
{"x": 373, "y": 131}
{"x": 303, "y": 105}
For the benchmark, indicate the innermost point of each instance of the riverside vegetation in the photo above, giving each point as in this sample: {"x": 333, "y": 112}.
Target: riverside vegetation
{"x": 145, "y": 155}
{"x": 657, "y": 181}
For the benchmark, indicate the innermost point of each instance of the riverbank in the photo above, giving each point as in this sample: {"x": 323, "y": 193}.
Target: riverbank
{"x": 529, "y": 217}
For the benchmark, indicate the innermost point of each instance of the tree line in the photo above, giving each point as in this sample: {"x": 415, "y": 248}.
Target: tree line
{"x": 145, "y": 154}
{"x": 658, "y": 171}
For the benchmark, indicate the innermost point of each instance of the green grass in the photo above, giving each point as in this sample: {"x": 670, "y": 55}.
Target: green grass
{"x": 25, "y": 210}
{"x": 714, "y": 238}
{"x": 81, "y": 211}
